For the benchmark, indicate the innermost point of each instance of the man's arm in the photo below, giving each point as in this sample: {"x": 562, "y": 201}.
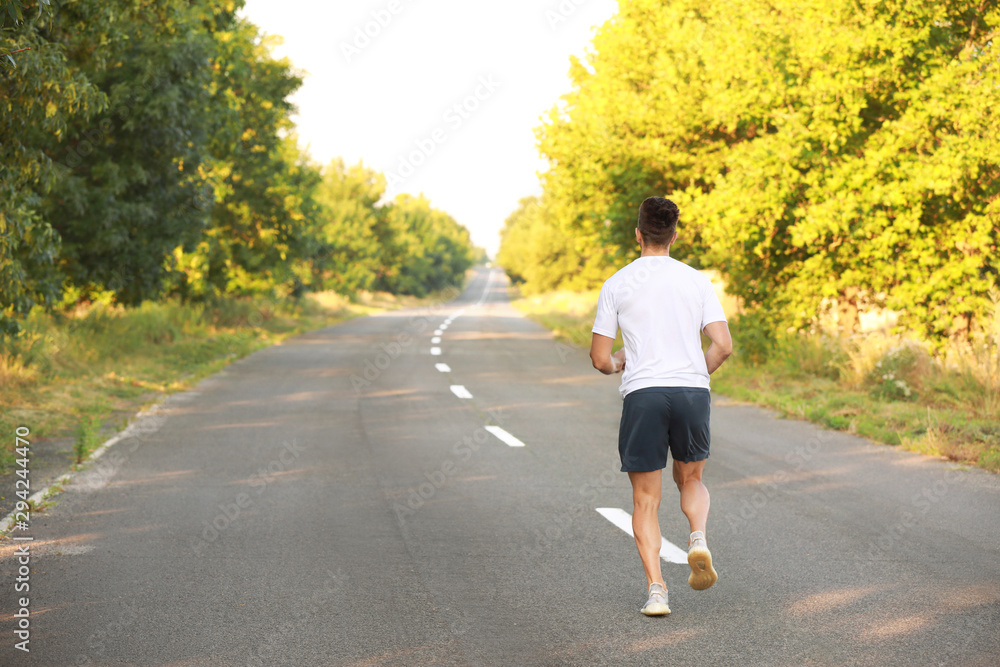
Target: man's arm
{"x": 721, "y": 347}
{"x": 601, "y": 357}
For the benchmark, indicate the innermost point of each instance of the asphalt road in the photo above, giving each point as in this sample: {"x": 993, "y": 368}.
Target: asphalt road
{"x": 335, "y": 500}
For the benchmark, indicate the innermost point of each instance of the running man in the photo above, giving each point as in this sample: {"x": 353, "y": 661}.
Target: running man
{"x": 662, "y": 306}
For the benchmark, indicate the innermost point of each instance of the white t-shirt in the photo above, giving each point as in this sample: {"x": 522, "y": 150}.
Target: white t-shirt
{"x": 661, "y": 306}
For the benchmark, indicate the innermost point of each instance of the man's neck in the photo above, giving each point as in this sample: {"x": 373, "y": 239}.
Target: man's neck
{"x": 655, "y": 252}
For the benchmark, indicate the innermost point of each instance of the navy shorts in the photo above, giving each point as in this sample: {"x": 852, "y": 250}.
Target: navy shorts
{"x": 655, "y": 419}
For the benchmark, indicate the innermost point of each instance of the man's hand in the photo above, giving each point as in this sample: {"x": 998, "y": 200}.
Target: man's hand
{"x": 601, "y": 357}
{"x": 619, "y": 359}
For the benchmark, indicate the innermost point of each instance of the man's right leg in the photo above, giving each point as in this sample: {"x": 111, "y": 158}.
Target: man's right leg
{"x": 695, "y": 504}
{"x": 694, "y": 495}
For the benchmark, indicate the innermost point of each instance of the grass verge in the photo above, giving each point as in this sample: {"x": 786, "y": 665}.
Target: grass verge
{"x": 80, "y": 373}
{"x": 880, "y": 387}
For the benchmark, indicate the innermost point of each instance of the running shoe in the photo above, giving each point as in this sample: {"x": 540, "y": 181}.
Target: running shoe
{"x": 703, "y": 575}
{"x": 656, "y": 605}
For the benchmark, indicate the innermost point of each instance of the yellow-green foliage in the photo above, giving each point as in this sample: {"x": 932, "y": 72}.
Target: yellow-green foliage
{"x": 541, "y": 256}
{"x": 824, "y": 153}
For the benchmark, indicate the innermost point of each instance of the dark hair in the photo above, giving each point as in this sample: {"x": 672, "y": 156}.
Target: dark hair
{"x": 658, "y": 221}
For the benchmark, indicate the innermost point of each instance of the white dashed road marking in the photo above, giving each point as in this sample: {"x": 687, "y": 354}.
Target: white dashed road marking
{"x": 460, "y": 391}
{"x": 668, "y": 552}
{"x": 504, "y": 436}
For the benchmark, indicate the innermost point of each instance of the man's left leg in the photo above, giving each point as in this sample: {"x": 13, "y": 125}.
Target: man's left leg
{"x": 646, "y": 528}
{"x": 646, "y": 489}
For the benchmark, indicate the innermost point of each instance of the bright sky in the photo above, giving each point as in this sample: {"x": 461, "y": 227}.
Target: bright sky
{"x": 444, "y": 94}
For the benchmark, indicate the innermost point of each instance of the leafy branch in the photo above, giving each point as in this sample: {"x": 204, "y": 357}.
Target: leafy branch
{"x": 10, "y": 56}
{"x": 12, "y": 10}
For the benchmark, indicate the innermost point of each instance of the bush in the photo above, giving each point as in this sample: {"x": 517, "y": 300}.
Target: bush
{"x": 896, "y": 375}
{"x": 806, "y": 355}
{"x": 753, "y": 338}
{"x": 990, "y": 459}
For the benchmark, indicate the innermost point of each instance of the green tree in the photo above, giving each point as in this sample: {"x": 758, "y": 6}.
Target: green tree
{"x": 263, "y": 187}
{"x": 347, "y": 255}
{"x": 541, "y": 256}
{"x": 876, "y": 187}
{"x": 131, "y": 177}
{"x": 40, "y": 97}
{"x": 147, "y": 147}
{"x": 822, "y": 152}
{"x": 421, "y": 249}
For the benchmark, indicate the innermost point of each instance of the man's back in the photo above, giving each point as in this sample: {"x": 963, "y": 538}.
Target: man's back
{"x": 661, "y": 306}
